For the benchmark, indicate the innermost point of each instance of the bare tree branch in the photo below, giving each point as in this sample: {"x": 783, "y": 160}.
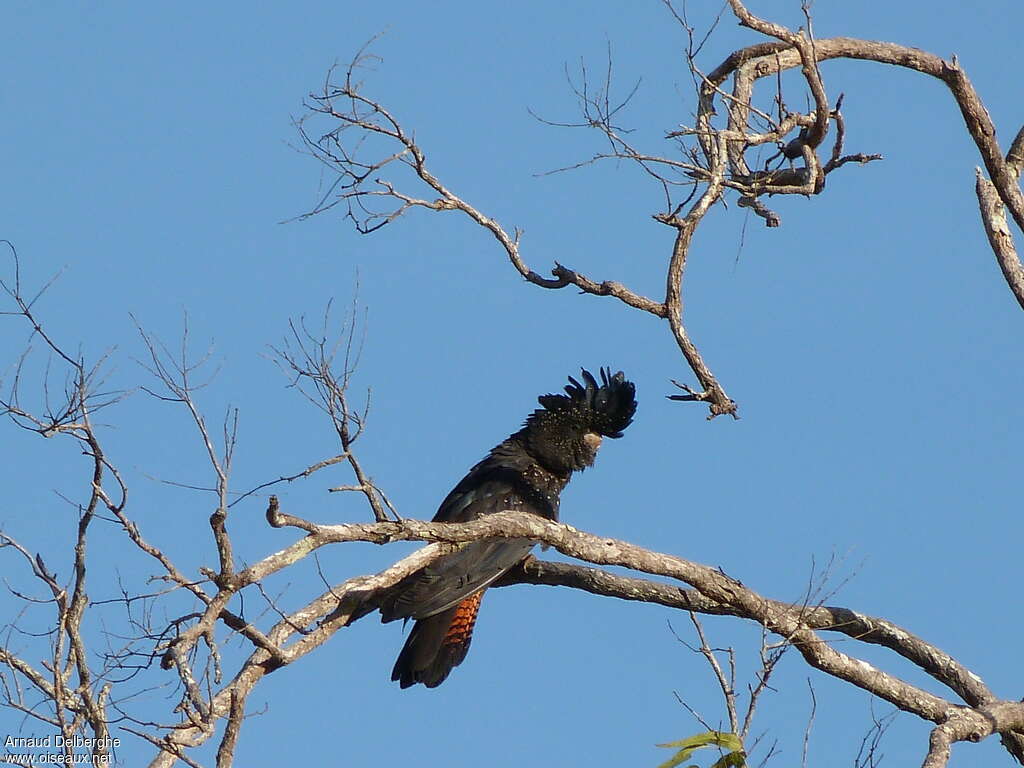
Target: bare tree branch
{"x": 786, "y": 621}
{"x": 718, "y": 162}
{"x": 382, "y": 173}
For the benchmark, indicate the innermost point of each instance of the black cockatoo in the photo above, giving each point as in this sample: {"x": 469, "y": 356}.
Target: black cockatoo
{"x": 526, "y": 472}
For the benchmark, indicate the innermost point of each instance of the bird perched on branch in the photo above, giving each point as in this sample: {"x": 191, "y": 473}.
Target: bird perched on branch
{"x": 526, "y": 472}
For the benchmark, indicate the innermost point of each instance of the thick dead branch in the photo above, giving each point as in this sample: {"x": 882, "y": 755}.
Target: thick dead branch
{"x": 715, "y": 593}
{"x": 375, "y": 191}
{"x": 786, "y": 621}
{"x": 867, "y": 629}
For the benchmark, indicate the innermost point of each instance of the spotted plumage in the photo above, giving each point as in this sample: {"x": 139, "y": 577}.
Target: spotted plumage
{"x": 525, "y": 472}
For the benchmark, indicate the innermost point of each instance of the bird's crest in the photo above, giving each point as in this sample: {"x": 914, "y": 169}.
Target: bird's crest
{"x": 606, "y": 409}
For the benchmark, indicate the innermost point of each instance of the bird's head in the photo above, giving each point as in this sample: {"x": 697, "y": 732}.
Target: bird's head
{"x": 566, "y": 432}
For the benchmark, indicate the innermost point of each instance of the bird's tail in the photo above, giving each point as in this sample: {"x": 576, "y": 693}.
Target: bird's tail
{"x": 437, "y": 644}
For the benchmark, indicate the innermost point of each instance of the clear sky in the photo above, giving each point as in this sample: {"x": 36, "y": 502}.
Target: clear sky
{"x": 871, "y": 343}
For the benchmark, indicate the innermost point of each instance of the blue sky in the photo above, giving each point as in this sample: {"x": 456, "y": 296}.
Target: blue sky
{"x": 871, "y": 343}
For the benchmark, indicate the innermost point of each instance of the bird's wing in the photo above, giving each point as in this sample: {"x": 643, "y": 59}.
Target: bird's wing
{"x": 450, "y": 580}
{"x": 447, "y": 581}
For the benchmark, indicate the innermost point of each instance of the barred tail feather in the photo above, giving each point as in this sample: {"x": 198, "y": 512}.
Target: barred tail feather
{"x": 437, "y": 644}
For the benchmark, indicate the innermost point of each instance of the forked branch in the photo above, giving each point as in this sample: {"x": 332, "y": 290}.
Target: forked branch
{"x": 378, "y": 163}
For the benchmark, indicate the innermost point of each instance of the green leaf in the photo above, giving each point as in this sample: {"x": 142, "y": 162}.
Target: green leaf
{"x": 737, "y": 759}
{"x": 676, "y": 759}
{"x": 724, "y": 740}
